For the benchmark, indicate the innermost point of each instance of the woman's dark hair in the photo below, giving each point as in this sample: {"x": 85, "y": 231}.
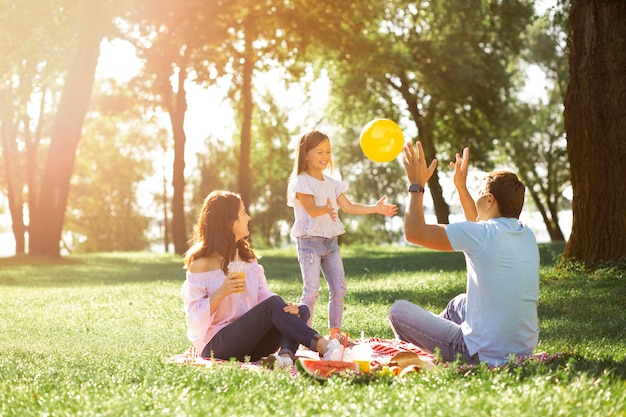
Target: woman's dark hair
{"x": 214, "y": 230}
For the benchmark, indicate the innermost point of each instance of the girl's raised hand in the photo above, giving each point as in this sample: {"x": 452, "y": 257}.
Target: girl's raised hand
{"x": 384, "y": 208}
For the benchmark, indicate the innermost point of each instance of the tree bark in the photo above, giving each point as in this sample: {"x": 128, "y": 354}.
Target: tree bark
{"x": 595, "y": 122}
{"x": 14, "y": 192}
{"x": 47, "y": 219}
{"x": 425, "y": 133}
{"x": 551, "y": 221}
{"x": 246, "y": 125}
{"x": 177, "y": 110}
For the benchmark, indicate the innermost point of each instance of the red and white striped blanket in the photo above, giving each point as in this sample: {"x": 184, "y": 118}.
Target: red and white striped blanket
{"x": 383, "y": 351}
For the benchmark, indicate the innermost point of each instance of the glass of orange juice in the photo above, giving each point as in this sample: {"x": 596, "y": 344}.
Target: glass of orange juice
{"x": 237, "y": 269}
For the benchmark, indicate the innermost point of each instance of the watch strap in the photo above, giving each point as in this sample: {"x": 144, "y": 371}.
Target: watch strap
{"x": 416, "y": 188}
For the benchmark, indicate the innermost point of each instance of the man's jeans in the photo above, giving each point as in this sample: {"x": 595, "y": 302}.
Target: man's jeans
{"x": 430, "y": 332}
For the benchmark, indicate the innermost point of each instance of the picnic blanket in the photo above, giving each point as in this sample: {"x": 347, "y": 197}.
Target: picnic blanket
{"x": 383, "y": 350}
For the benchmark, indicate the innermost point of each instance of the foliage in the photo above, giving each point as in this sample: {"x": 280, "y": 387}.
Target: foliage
{"x": 111, "y": 319}
{"x": 271, "y": 164}
{"x": 534, "y": 133}
{"x": 35, "y": 42}
{"x": 444, "y": 67}
{"x": 440, "y": 69}
{"x": 113, "y": 159}
{"x": 537, "y": 148}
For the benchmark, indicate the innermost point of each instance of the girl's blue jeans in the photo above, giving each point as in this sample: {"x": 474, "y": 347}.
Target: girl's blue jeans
{"x": 317, "y": 254}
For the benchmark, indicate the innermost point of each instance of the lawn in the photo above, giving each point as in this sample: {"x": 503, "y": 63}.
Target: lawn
{"x": 88, "y": 334}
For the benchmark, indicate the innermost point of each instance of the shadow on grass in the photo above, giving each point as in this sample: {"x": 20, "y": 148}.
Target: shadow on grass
{"x": 565, "y": 366}
{"x": 591, "y": 306}
{"x": 364, "y": 260}
{"x": 360, "y": 261}
{"x": 424, "y": 296}
{"x": 419, "y": 259}
{"x": 124, "y": 267}
{"x": 90, "y": 269}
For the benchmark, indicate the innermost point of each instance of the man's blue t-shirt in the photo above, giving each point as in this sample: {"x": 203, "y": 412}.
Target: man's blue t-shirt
{"x": 502, "y": 260}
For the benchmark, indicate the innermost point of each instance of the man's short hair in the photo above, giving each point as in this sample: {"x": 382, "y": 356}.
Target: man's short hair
{"x": 508, "y": 190}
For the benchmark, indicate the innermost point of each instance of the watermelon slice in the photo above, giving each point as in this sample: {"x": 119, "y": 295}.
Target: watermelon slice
{"x": 322, "y": 370}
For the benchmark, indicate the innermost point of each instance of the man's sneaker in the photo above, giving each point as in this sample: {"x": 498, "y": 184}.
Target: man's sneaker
{"x": 276, "y": 361}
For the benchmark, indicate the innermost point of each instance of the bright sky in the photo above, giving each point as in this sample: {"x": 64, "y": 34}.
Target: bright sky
{"x": 207, "y": 112}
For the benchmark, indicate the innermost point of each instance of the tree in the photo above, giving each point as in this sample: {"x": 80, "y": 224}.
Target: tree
{"x": 266, "y": 35}
{"x": 271, "y": 163}
{"x": 180, "y": 44}
{"x": 444, "y": 66}
{"x": 595, "y": 126}
{"x": 534, "y": 138}
{"x": 47, "y": 218}
{"x": 115, "y": 155}
{"x": 35, "y": 42}
{"x": 537, "y": 148}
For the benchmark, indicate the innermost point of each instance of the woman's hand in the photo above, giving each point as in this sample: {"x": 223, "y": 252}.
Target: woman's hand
{"x": 232, "y": 284}
{"x": 292, "y": 308}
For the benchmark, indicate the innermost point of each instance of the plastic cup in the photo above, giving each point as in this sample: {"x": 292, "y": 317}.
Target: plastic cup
{"x": 237, "y": 269}
{"x": 362, "y": 355}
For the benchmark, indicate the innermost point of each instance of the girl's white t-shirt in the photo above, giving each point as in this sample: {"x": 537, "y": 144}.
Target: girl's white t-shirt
{"x": 321, "y": 226}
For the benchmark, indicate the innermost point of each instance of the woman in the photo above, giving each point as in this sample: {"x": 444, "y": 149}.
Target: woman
{"x": 231, "y": 318}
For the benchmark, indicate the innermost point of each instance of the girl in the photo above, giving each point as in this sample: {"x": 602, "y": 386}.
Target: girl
{"x": 315, "y": 197}
{"x": 227, "y": 317}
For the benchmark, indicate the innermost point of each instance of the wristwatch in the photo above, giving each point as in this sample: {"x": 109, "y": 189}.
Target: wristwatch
{"x": 416, "y": 188}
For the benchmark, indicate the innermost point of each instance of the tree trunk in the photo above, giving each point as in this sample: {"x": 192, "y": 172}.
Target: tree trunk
{"x": 425, "y": 132}
{"x": 177, "y": 110}
{"x": 166, "y": 228}
{"x": 246, "y": 126}
{"x": 442, "y": 210}
{"x": 551, "y": 221}
{"x": 14, "y": 184}
{"x": 47, "y": 219}
{"x": 595, "y": 123}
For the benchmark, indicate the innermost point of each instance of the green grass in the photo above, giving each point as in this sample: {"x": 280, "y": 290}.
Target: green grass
{"x": 87, "y": 335}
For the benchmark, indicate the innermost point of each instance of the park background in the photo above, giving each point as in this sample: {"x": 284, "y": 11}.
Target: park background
{"x": 108, "y": 167}
{"x": 178, "y": 110}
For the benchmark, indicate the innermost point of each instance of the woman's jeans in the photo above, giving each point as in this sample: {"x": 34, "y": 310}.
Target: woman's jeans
{"x": 315, "y": 254}
{"x": 430, "y": 332}
{"x": 261, "y": 331}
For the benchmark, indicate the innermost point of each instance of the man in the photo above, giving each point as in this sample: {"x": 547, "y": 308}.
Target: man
{"x": 497, "y": 316}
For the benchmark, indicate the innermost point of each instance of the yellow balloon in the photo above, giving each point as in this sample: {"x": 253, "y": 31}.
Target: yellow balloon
{"x": 381, "y": 140}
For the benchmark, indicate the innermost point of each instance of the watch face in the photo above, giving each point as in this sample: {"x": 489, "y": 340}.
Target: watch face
{"x": 416, "y": 188}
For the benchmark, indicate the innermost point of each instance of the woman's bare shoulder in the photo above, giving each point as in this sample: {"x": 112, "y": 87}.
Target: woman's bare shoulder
{"x": 205, "y": 264}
